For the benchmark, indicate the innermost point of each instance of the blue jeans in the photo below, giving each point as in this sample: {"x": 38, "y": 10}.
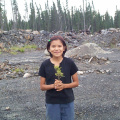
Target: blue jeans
{"x": 60, "y": 111}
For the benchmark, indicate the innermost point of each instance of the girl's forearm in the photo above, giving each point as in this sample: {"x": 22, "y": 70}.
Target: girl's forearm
{"x": 71, "y": 85}
{"x": 47, "y": 87}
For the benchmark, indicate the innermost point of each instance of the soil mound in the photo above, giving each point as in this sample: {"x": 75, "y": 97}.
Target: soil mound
{"x": 91, "y": 49}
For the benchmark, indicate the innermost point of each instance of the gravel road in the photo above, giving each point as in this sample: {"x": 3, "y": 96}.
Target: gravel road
{"x": 96, "y": 98}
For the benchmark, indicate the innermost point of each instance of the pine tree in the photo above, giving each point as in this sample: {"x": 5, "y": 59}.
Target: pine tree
{"x": 15, "y": 13}
{"x": 60, "y": 16}
{"x": 38, "y": 18}
{"x": 1, "y": 14}
{"x": 117, "y": 19}
{"x": 32, "y": 21}
{"x": 54, "y": 18}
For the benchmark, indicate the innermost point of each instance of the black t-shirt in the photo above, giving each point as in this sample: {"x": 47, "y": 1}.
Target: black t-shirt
{"x": 68, "y": 68}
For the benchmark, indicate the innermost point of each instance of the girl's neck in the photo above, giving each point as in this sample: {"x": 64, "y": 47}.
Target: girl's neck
{"x": 56, "y": 60}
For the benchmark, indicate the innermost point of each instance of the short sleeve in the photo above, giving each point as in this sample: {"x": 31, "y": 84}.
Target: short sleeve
{"x": 73, "y": 69}
{"x": 42, "y": 71}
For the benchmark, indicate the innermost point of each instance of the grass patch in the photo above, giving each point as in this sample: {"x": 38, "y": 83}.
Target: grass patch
{"x": 17, "y": 70}
{"x": 15, "y": 49}
{"x": 30, "y": 47}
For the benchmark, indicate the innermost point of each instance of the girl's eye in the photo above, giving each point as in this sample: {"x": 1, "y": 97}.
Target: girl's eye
{"x": 59, "y": 45}
{"x": 53, "y": 46}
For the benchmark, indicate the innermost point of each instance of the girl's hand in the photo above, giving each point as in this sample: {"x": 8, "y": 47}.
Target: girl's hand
{"x": 58, "y": 85}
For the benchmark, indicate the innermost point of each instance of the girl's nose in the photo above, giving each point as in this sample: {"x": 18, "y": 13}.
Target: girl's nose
{"x": 56, "y": 48}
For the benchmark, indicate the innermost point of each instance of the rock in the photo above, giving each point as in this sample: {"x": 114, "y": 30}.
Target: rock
{"x": 59, "y": 32}
{"x": 113, "y": 41}
{"x": 80, "y": 72}
{"x": 26, "y": 75}
{"x": 1, "y": 77}
{"x": 5, "y": 108}
{"x": 28, "y": 37}
{"x": 1, "y": 31}
{"x": 6, "y": 32}
{"x": 104, "y": 31}
{"x": 46, "y": 52}
{"x": 35, "y": 32}
{"x": 28, "y": 30}
{"x": 1, "y": 69}
{"x": 2, "y": 45}
{"x": 109, "y": 71}
{"x": 11, "y": 75}
{"x": 118, "y": 44}
{"x": 36, "y": 73}
{"x": 43, "y": 32}
{"x": 69, "y": 34}
{"x": 112, "y": 30}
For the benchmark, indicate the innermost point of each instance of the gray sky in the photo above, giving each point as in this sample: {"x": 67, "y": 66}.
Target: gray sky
{"x": 101, "y": 5}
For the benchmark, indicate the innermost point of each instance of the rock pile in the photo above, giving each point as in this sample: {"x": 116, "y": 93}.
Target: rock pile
{"x": 40, "y": 38}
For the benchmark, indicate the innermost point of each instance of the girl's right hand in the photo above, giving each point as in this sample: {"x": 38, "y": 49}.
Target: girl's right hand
{"x": 58, "y": 85}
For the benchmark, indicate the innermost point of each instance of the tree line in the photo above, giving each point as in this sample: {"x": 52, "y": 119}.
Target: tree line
{"x": 57, "y": 17}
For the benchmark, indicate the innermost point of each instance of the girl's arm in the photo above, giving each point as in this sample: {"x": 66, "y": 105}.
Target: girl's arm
{"x": 75, "y": 83}
{"x": 43, "y": 85}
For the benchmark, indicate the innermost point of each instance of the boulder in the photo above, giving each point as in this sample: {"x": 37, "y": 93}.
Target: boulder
{"x": 35, "y": 32}
{"x": 28, "y": 30}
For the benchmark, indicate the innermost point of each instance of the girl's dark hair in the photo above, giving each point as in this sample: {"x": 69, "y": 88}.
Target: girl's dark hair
{"x": 57, "y": 38}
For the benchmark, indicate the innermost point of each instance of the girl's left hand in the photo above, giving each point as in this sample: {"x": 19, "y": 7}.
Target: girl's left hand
{"x": 58, "y": 85}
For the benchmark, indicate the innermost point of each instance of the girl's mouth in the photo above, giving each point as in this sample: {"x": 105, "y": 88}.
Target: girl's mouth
{"x": 56, "y": 52}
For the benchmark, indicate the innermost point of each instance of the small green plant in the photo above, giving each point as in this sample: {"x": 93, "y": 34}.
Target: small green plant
{"x": 13, "y": 53}
{"x": 0, "y": 51}
{"x": 30, "y": 46}
{"x": 17, "y": 70}
{"x": 112, "y": 45}
{"x": 17, "y": 48}
{"x": 14, "y": 48}
{"x": 22, "y": 49}
{"x": 58, "y": 73}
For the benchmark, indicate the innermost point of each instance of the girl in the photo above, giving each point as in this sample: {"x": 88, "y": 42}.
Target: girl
{"x": 59, "y": 93}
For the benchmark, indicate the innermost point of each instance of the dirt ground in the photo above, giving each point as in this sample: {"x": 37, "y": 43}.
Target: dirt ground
{"x": 96, "y": 98}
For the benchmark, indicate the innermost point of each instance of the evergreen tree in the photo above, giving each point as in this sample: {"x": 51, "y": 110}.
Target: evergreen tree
{"x": 1, "y": 14}
{"x": 54, "y": 18}
{"x": 32, "y": 21}
{"x": 117, "y": 19}
{"x": 19, "y": 22}
{"x": 47, "y": 17}
{"x": 107, "y": 20}
{"x": 25, "y": 23}
{"x": 38, "y": 18}
{"x": 60, "y": 16}
{"x": 15, "y": 13}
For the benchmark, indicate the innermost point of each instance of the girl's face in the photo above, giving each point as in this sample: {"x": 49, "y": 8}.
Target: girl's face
{"x": 56, "y": 48}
